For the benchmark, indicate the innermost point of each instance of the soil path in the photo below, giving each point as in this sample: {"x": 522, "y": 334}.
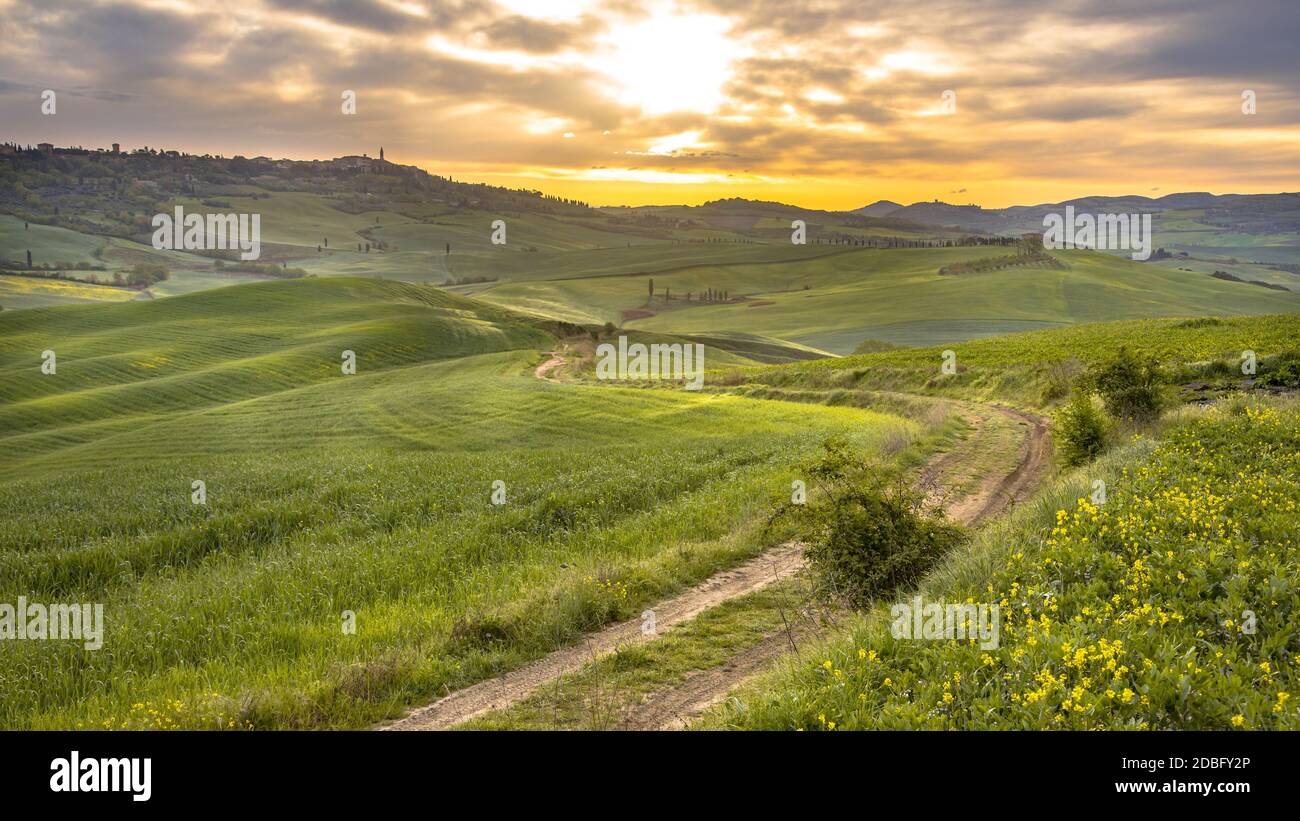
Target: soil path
{"x": 544, "y": 370}
{"x": 997, "y": 493}
{"x": 675, "y": 708}
{"x": 492, "y": 694}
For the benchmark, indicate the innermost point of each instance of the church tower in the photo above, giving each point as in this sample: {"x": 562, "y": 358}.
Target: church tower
{"x": 381, "y": 153}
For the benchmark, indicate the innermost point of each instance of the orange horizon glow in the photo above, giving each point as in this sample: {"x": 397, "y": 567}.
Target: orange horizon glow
{"x": 659, "y": 102}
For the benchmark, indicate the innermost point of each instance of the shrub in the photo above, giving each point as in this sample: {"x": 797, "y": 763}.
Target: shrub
{"x": 868, "y": 533}
{"x": 1080, "y": 427}
{"x": 1282, "y": 370}
{"x": 1130, "y": 385}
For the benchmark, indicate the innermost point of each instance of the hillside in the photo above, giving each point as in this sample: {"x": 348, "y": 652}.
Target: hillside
{"x": 368, "y": 493}
{"x": 898, "y": 296}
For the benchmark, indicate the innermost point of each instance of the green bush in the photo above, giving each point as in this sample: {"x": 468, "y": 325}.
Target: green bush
{"x": 1080, "y": 428}
{"x": 1130, "y": 385}
{"x": 1281, "y": 371}
{"x": 867, "y": 531}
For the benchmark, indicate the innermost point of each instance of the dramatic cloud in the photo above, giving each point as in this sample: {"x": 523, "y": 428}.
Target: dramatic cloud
{"x": 829, "y": 103}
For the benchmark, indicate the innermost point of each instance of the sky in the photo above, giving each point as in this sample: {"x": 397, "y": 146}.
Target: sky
{"x": 821, "y": 103}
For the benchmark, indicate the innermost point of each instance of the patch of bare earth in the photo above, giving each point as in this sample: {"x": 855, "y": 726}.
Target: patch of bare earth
{"x": 544, "y": 370}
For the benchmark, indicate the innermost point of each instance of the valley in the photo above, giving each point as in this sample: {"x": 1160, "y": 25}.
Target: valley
{"x": 468, "y": 529}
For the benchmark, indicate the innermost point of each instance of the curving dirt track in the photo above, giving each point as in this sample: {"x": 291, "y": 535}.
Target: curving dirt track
{"x": 544, "y": 370}
{"x": 675, "y": 708}
{"x": 997, "y": 493}
{"x": 492, "y": 694}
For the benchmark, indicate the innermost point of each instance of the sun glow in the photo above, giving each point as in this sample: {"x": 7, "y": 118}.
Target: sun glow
{"x": 669, "y": 63}
{"x": 676, "y": 142}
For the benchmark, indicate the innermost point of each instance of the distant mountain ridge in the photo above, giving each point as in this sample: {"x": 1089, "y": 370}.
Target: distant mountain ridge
{"x": 1269, "y": 211}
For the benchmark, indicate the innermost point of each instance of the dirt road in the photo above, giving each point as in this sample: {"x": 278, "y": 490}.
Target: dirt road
{"x": 544, "y": 370}
{"x": 676, "y": 707}
{"x": 496, "y": 693}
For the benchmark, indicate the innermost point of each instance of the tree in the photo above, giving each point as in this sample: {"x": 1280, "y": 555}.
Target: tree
{"x": 652, "y": 289}
{"x": 144, "y": 274}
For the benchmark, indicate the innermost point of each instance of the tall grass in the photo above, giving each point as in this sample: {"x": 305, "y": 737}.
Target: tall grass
{"x": 369, "y": 493}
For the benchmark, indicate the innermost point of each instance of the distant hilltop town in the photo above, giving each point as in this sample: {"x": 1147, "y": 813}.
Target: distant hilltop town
{"x": 351, "y": 162}
{"x": 108, "y": 191}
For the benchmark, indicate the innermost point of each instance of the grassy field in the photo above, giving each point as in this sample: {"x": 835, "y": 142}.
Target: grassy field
{"x": 298, "y": 218}
{"x": 1170, "y": 605}
{"x": 66, "y": 249}
{"x": 49, "y": 245}
{"x": 1249, "y": 271}
{"x": 37, "y": 292}
{"x": 1186, "y": 230}
{"x": 837, "y": 296}
{"x": 595, "y": 267}
{"x": 367, "y": 493}
{"x": 896, "y": 296}
{"x": 1035, "y": 369}
{"x": 332, "y": 496}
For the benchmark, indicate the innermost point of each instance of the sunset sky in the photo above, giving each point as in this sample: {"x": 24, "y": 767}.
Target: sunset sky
{"x": 822, "y": 103}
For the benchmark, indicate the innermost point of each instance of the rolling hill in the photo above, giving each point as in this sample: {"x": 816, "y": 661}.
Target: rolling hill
{"x": 367, "y": 493}
{"x": 847, "y": 295}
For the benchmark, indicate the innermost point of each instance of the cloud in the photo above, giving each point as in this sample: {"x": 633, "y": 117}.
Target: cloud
{"x": 539, "y": 36}
{"x": 827, "y": 92}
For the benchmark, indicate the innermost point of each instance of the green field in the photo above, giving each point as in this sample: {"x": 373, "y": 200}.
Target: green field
{"x": 1125, "y": 616}
{"x": 838, "y": 300}
{"x": 896, "y": 296}
{"x": 1033, "y": 369}
{"x": 49, "y": 244}
{"x": 38, "y": 292}
{"x": 370, "y": 494}
{"x": 328, "y": 492}
{"x": 596, "y": 267}
{"x": 366, "y": 499}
